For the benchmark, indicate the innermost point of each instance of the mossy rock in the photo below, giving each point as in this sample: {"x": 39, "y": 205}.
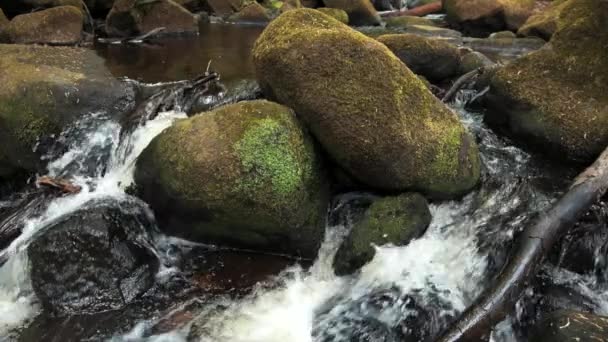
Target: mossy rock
{"x": 132, "y": 17}
{"x": 43, "y": 89}
{"x": 474, "y": 60}
{"x": 360, "y": 12}
{"x": 570, "y": 325}
{"x": 481, "y": 17}
{"x": 543, "y": 24}
{"x": 433, "y": 31}
{"x": 252, "y": 13}
{"x": 503, "y": 35}
{"x": 3, "y": 19}
{"x": 244, "y": 175}
{"x": 371, "y": 114}
{"x": 407, "y": 21}
{"x": 336, "y": 13}
{"x": 555, "y": 99}
{"x": 434, "y": 59}
{"x": 58, "y": 25}
{"x": 390, "y": 220}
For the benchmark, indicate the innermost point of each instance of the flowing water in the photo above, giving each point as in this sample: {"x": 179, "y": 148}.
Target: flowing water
{"x": 405, "y": 293}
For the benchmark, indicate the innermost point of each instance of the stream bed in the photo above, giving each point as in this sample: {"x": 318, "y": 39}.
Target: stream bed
{"x": 204, "y": 293}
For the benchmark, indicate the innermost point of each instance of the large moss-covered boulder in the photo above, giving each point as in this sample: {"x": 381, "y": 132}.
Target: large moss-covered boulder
{"x": 555, "y": 98}
{"x": 43, "y": 89}
{"x": 336, "y": 13}
{"x": 57, "y": 25}
{"x": 390, "y": 220}
{"x": 244, "y": 175}
{"x": 133, "y": 17}
{"x": 543, "y": 24}
{"x": 360, "y": 12}
{"x": 569, "y": 325}
{"x": 479, "y": 17}
{"x": 432, "y": 58}
{"x": 372, "y": 115}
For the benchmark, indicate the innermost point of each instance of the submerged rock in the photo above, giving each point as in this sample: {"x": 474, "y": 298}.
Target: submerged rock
{"x": 568, "y": 325}
{"x": 336, "y": 13}
{"x": 434, "y": 59}
{"x": 480, "y": 17}
{"x": 360, "y": 12}
{"x": 390, "y": 220}
{"x": 407, "y": 21}
{"x": 543, "y": 24}
{"x": 131, "y": 17}
{"x": 244, "y": 175}
{"x": 43, "y": 89}
{"x": 252, "y": 13}
{"x": 372, "y": 115}
{"x": 58, "y": 25}
{"x": 555, "y": 98}
{"x": 99, "y": 258}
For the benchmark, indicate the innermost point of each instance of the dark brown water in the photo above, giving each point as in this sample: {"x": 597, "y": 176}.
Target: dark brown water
{"x": 228, "y": 47}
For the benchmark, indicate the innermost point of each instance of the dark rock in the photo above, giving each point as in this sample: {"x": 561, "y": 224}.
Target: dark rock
{"x": 223, "y": 7}
{"x": 562, "y": 326}
{"x": 131, "y": 17}
{"x": 360, "y": 12}
{"x": 252, "y": 13}
{"x": 481, "y": 17}
{"x": 474, "y": 60}
{"x": 58, "y": 25}
{"x": 390, "y": 220}
{"x": 97, "y": 259}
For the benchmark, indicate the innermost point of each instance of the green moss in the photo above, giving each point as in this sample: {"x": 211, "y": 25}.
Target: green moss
{"x": 336, "y": 13}
{"x": 407, "y": 21}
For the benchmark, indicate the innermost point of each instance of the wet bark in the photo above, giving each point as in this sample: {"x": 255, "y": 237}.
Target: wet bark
{"x": 61, "y": 185}
{"x": 534, "y": 244}
{"x": 419, "y": 11}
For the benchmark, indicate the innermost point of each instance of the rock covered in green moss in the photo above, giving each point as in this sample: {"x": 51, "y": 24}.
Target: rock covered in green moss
{"x": 252, "y": 13}
{"x": 407, "y": 21}
{"x": 336, "y": 13}
{"x": 57, "y": 25}
{"x": 474, "y": 60}
{"x": 434, "y": 59}
{"x": 390, "y": 220}
{"x": 372, "y": 115}
{"x": 479, "y": 17}
{"x": 360, "y": 12}
{"x": 543, "y": 24}
{"x": 243, "y": 175}
{"x": 132, "y": 17}
{"x": 570, "y": 325}
{"x": 3, "y": 19}
{"x": 43, "y": 89}
{"x": 555, "y": 98}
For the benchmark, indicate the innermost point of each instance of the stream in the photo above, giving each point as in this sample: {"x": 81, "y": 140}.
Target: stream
{"x": 407, "y": 293}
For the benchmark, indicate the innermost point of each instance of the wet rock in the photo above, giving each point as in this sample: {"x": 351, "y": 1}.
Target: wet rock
{"x": 543, "y": 24}
{"x": 223, "y": 7}
{"x": 434, "y": 59}
{"x": 407, "y": 21}
{"x": 3, "y": 20}
{"x": 571, "y": 326}
{"x": 390, "y": 220}
{"x": 480, "y": 17}
{"x": 58, "y": 25}
{"x": 418, "y": 3}
{"x": 360, "y": 12}
{"x": 554, "y": 99}
{"x": 97, "y": 259}
{"x": 252, "y": 13}
{"x": 474, "y": 60}
{"x": 433, "y": 31}
{"x": 502, "y": 34}
{"x": 378, "y": 122}
{"x": 243, "y": 175}
{"x": 43, "y": 89}
{"x": 290, "y": 5}
{"x": 310, "y": 3}
{"x": 132, "y": 17}
{"x": 336, "y": 13}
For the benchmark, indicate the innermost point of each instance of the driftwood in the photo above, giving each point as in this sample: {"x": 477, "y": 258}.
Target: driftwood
{"x": 461, "y": 82}
{"x": 135, "y": 39}
{"x": 534, "y": 244}
{"x": 58, "y": 184}
{"x": 419, "y": 11}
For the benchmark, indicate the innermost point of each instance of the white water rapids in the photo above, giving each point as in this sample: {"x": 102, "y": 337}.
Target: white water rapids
{"x": 445, "y": 266}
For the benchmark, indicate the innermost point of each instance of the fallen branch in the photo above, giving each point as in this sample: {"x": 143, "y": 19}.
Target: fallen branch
{"x": 135, "y": 39}
{"x": 534, "y": 244}
{"x": 460, "y": 82}
{"x": 419, "y": 11}
{"x": 59, "y": 184}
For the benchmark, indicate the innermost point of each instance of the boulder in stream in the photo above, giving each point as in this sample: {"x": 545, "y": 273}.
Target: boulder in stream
{"x": 568, "y": 325}
{"x": 336, "y": 13}
{"x": 43, "y": 89}
{"x": 555, "y": 99}
{"x": 390, "y": 220}
{"x": 58, "y": 26}
{"x": 131, "y": 17}
{"x": 360, "y": 12}
{"x": 3, "y": 20}
{"x": 434, "y": 59}
{"x": 372, "y": 115}
{"x": 97, "y": 259}
{"x": 243, "y": 175}
{"x": 406, "y": 21}
{"x": 251, "y": 13}
{"x": 480, "y": 17}
{"x": 544, "y": 24}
